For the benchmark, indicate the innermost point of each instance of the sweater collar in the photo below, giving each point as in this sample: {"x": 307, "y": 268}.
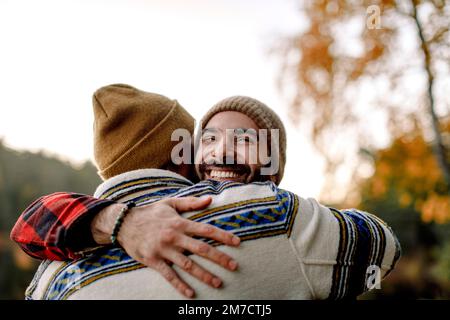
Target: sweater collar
{"x": 155, "y": 175}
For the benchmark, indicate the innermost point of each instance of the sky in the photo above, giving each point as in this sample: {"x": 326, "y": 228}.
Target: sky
{"x": 56, "y": 53}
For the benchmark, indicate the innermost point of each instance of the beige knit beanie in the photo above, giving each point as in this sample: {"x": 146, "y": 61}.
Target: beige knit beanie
{"x": 261, "y": 114}
{"x": 133, "y": 128}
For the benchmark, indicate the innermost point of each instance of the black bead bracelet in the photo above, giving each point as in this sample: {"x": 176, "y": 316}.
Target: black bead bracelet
{"x": 122, "y": 214}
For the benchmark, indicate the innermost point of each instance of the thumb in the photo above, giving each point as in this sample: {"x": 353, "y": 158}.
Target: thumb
{"x": 189, "y": 203}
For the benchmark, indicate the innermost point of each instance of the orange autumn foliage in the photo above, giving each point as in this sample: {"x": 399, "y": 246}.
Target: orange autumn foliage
{"x": 409, "y": 167}
{"x": 348, "y": 81}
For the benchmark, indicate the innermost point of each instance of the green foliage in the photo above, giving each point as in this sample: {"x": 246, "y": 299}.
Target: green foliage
{"x": 406, "y": 192}
{"x": 442, "y": 269}
{"x": 24, "y": 177}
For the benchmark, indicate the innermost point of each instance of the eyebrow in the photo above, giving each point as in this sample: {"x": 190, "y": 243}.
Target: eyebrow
{"x": 246, "y": 131}
{"x": 253, "y": 132}
{"x": 212, "y": 130}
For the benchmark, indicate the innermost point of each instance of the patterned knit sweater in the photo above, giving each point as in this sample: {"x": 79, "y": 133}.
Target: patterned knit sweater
{"x": 291, "y": 248}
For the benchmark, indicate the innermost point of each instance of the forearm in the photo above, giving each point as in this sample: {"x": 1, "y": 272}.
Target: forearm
{"x": 56, "y": 226}
{"x": 103, "y": 223}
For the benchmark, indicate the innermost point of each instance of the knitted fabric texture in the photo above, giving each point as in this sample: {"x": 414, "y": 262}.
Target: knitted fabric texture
{"x": 133, "y": 128}
{"x": 261, "y": 114}
{"x": 291, "y": 247}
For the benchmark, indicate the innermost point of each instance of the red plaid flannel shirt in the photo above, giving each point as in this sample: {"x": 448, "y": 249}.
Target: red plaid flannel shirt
{"x": 57, "y": 226}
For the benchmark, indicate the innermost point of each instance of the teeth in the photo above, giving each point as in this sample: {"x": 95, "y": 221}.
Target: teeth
{"x": 223, "y": 174}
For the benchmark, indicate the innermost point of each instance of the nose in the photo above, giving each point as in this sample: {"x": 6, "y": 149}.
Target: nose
{"x": 224, "y": 151}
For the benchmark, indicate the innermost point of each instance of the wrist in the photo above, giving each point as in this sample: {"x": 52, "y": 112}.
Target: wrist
{"x": 119, "y": 221}
{"x": 102, "y": 225}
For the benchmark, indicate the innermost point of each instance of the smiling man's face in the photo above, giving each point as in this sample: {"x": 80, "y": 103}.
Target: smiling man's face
{"x": 229, "y": 143}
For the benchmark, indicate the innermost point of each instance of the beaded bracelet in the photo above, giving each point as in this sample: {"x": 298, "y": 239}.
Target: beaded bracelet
{"x": 122, "y": 214}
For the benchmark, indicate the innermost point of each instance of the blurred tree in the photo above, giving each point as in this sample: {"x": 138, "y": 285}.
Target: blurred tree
{"x": 442, "y": 269}
{"x": 408, "y": 173}
{"x": 25, "y": 176}
{"x": 368, "y": 80}
{"x": 408, "y": 191}
{"x": 361, "y": 68}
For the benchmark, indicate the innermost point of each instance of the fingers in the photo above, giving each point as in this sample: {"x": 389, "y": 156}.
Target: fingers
{"x": 170, "y": 275}
{"x": 208, "y": 231}
{"x": 189, "y": 203}
{"x": 193, "y": 268}
{"x": 207, "y": 251}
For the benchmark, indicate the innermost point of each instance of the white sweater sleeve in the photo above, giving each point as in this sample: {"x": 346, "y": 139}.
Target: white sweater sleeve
{"x": 342, "y": 252}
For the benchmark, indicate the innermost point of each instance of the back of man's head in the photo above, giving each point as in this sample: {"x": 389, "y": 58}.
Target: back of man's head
{"x": 133, "y": 128}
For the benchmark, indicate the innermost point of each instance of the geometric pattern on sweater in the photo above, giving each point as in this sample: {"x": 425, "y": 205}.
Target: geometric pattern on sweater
{"x": 131, "y": 186}
{"x": 256, "y": 218}
{"x": 204, "y": 188}
{"x": 249, "y": 219}
{"x": 362, "y": 243}
{"x": 72, "y": 276}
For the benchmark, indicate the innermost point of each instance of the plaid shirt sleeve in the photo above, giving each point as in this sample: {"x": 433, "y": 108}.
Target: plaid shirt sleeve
{"x": 57, "y": 226}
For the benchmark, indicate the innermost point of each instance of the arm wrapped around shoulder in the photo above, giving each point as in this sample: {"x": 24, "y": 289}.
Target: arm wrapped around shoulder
{"x": 344, "y": 252}
{"x": 369, "y": 246}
